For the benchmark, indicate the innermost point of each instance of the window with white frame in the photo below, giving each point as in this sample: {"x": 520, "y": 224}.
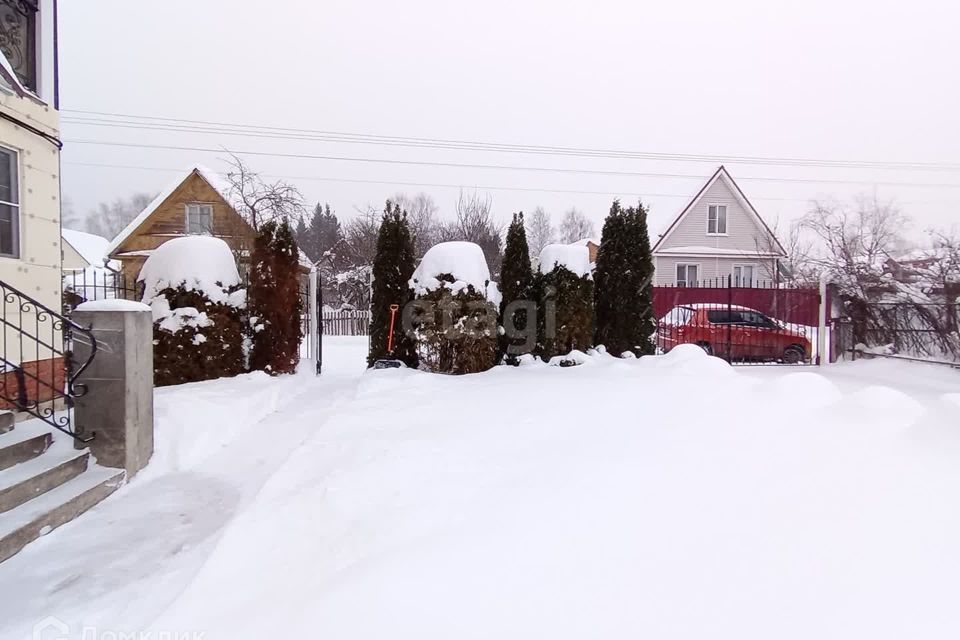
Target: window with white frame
{"x": 717, "y": 219}
{"x": 199, "y": 218}
{"x": 9, "y": 204}
{"x": 743, "y": 275}
{"x": 687, "y": 275}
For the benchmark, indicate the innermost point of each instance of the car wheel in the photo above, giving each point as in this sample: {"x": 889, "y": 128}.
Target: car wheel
{"x": 793, "y": 354}
{"x": 706, "y": 347}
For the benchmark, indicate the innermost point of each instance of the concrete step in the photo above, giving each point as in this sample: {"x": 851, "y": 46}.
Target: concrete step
{"x": 41, "y": 515}
{"x": 44, "y": 473}
{"x": 7, "y": 418}
{"x": 25, "y": 443}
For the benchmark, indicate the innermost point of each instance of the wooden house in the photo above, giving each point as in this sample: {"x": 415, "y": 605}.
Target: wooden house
{"x": 195, "y": 203}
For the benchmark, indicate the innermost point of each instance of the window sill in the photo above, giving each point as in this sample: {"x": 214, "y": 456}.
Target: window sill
{"x": 721, "y": 235}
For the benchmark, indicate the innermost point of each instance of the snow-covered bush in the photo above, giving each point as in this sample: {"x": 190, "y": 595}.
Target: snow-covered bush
{"x": 565, "y": 300}
{"x": 456, "y": 303}
{"x": 275, "y": 305}
{"x": 193, "y": 289}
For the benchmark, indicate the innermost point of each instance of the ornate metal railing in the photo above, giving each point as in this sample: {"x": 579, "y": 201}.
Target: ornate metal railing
{"x": 39, "y": 375}
{"x": 18, "y": 40}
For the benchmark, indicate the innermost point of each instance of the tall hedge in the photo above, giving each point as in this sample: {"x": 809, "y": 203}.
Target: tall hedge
{"x": 274, "y": 303}
{"x": 516, "y": 284}
{"x": 393, "y": 266}
{"x": 456, "y": 330}
{"x": 624, "y": 283}
{"x": 564, "y": 312}
{"x": 194, "y": 338}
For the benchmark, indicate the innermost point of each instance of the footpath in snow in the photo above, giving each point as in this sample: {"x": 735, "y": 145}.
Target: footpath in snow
{"x": 116, "y": 567}
{"x": 665, "y": 497}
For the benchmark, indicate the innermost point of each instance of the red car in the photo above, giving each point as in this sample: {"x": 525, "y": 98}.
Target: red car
{"x": 736, "y": 333}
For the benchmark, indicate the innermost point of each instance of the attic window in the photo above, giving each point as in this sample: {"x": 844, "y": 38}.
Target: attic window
{"x": 717, "y": 220}
{"x": 18, "y": 41}
{"x": 199, "y": 219}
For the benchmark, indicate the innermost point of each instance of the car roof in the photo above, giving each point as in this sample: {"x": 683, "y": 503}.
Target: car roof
{"x": 716, "y": 306}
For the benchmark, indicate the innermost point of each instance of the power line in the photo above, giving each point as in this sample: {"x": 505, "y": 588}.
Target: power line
{"x": 204, "y": 126}
{"x": 463, "y": 165}
{"x": 402, "y": 183}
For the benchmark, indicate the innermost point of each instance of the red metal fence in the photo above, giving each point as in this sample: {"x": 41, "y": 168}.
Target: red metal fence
{"x": 740, "y": 324}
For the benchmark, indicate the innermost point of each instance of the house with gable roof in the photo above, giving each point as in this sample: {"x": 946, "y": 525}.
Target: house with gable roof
{"x": 195, "y": 203}
{"x": 719, "y": 234}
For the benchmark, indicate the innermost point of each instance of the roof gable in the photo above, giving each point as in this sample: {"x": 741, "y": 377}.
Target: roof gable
{"x": 143, "y": 218}
{"x": 722, "y": 178}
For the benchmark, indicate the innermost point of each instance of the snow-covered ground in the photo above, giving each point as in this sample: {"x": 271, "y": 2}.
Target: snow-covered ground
{"x": 665, "y": 497}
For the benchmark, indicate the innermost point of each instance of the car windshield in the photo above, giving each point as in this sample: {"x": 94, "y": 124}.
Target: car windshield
{"x": 678, "y": 315}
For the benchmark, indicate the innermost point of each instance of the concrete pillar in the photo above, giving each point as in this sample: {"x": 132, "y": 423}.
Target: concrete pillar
{"x": 118, "y": 406}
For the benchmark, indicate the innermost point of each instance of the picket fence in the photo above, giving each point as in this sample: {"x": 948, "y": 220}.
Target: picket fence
{"x": 346, "y": 323}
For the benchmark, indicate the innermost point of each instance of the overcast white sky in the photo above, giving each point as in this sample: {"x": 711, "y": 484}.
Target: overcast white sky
{"x": 861, "y": 80}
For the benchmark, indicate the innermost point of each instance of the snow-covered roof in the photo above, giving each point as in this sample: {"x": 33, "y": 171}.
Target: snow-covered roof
{"x": 575, "y": 257}
{"x": 586, "y": 241}
{"x": 464, "y": 261}
{"x": 91, "y": 247}
{"x": 713, "y": 251}
{"x": 215, "y": 181}
{"x": 196, "y": 262}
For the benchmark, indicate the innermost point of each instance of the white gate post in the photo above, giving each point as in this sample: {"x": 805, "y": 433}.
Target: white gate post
{"x": 822, "y": 324}
{"x": 314, "y": 313}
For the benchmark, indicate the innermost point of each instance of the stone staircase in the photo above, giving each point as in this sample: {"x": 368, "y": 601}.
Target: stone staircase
{"x": 44, "y": 482}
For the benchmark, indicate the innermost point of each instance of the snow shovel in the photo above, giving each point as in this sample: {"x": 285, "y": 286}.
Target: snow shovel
{"x": 390, "y": 363}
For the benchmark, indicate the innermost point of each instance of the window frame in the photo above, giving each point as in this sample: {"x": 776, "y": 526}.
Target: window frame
{"x": 740, "y": 265}
{"x": 726, "y": 219}
{"x": 686, "y": 273}
{"x": 186, "y": 218}
{"x": 15, "y": 205}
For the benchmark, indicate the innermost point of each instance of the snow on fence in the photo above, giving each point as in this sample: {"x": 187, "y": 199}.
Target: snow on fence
{"x": 346, "y": 323}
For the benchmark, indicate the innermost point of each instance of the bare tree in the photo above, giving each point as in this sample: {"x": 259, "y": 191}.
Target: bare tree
{"x": 540, "y": 231}
{"x": 259, "y": 201}
{"x": 422, "y": 217}
{"x": 109, "y": 219}
{"x": 575, "y": 226}
{"x": 475, "y": 223}
{"x": 69, "y": 219}
{"x": 852, "y": 243}
{"x": 360, "y": 235}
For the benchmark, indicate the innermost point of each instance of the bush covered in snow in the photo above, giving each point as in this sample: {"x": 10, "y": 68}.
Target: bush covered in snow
{"x": 564, "y": 291}
{"x": 193, "y": 288}
{"x": 275, "y": 305}
{"x": 456, "y": 303}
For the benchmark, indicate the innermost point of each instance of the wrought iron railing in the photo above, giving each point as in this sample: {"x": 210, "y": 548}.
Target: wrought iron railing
{"x": 84, "y": 285}
{"x": 38, "y": 374}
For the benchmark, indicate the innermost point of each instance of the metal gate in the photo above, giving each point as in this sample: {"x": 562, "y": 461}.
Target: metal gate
{"x": 743, "y": 325}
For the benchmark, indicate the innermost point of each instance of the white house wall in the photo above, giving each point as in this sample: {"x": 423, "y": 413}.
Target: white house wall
{"x": 36, "y": 271}
{"x": 711, "y": 268}
{"x": 743, "y": 231}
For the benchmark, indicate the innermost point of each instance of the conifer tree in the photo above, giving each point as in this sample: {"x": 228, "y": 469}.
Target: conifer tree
{"x": 624, "y": 283}
{"x": 393, "y": 267}
{"x": 300, "y": 233}
{"x": 564, "y": 312}
{"x": 274, "y": 303}
{"x": 516, "y": 283}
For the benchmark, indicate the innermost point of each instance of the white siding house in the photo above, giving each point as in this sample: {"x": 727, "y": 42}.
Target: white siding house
{"x": 718, "y": 234}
